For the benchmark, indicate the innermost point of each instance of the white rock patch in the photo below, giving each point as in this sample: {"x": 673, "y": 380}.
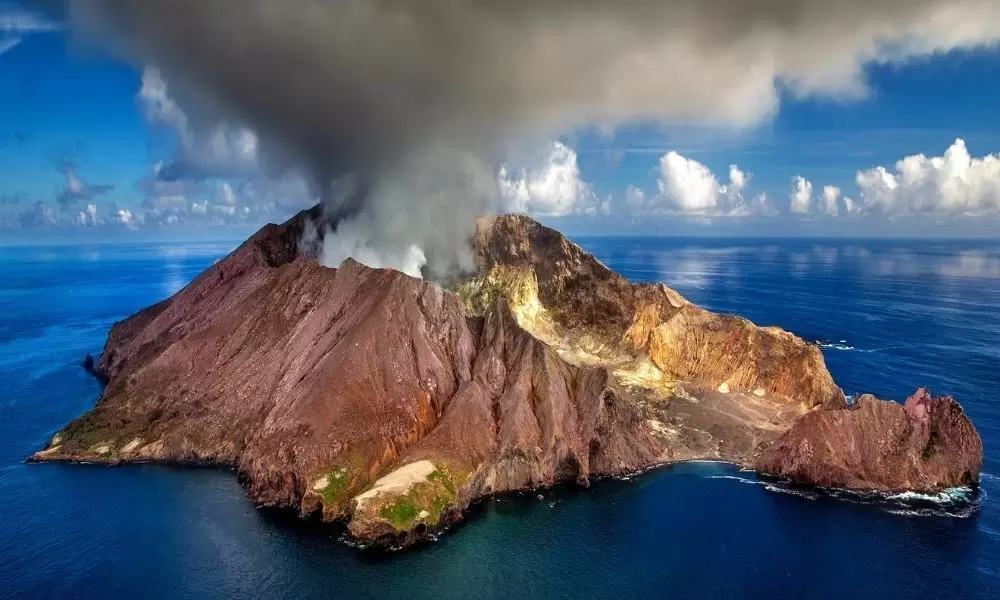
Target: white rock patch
{"x": 52, "y": 450}
{"x": 399, "y": 481}
{"x": 131, "y": 446}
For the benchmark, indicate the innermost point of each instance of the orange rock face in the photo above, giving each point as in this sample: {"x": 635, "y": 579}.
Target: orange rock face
{"x": 391, "y": 403}
{"x": 589, "y": 302}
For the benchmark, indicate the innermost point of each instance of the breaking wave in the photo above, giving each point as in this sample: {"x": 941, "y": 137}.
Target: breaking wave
{"x": 846, "y": 346}
{"x": 959, "y": 502}
{"x": 841, "y": 345}
{"x": 769, "y": 486}
{"x": 947, "y": 496}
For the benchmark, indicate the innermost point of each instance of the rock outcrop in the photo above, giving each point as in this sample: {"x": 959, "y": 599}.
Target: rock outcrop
{"x": 369, "y": 396}
{"x": 923, "y": 445}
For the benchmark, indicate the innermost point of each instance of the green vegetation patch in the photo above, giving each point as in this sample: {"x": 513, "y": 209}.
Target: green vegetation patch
{"x": 338, "y": 483}
{"x": 402, "y": 513}
{"x": 424, "y": 502}
{"x": 341, "y": 480}
{"x": 90, "y": 431}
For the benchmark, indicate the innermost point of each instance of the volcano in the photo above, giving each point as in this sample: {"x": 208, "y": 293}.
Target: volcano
{"x": 392, "y": 403}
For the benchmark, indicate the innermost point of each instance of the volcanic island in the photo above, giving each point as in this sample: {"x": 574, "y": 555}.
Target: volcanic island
{"x": 391, "y": 403}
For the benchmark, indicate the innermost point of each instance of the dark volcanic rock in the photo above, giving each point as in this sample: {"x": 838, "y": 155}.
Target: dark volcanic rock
{"x": 89, "y": 364}
{"x": 925, "y": 445}
{"x": 384, "y": 400}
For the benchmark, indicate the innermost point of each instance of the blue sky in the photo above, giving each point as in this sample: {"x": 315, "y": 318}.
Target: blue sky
{"x": 63, "y": 109}
{"x": 82, "y": 107}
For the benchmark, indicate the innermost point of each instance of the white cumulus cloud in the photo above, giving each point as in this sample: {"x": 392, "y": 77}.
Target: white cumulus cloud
{"x": 955, "y": 183}
{"x": 552, "y": 189}
{"x": 800, "y": 200}
{"x": 737, "y": 181}
{"x": 688, "y": 187}
{"x": 830, "y": 196}
{"x": 635, "y": 198}
{"x": 762, "y": 205}
{"x": 124, "y": 217}
{"x": 227, "y": 197}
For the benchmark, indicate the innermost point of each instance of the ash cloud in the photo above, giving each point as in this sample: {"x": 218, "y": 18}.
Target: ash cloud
{"x": 398, "y": 109}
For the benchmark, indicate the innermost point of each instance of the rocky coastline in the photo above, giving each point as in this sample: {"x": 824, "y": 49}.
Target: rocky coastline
{"x": 391, "y": 403}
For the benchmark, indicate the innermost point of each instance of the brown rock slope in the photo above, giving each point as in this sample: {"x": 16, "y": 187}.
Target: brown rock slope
{"x": 923, "y": 445}
{"x": 373, "y": 397}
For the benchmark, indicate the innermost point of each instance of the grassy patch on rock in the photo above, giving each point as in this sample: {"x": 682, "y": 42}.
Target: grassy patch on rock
{"x": 424, "y": 502}
{"x": 335, "y": 486}
{"x": 90, "y": 433}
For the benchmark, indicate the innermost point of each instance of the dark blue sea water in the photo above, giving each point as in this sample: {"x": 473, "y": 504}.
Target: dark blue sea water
{"x": 895, "y": 315}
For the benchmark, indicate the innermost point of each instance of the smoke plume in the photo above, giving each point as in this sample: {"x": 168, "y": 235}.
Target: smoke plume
{"x": 397, "y": 108}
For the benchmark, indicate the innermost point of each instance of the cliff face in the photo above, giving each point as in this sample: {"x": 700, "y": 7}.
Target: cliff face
{"x": 370, "y": 396}
{"x": 571, "y": 300}
{"x": 923, "y": 445}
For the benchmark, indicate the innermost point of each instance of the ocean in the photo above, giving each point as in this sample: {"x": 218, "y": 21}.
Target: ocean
{"x": 890, "y": 315}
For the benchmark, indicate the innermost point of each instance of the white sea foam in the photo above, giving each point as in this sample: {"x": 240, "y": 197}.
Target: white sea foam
{"x": 734, "y": 477}
{"x": 770, "y": 486}
{"x": 948, "y": 496}
{"x": 959, "y": 502}
{"x": 845, "y": 346}
{"x": 837, "y": 346}
{"x": 958, "y": 513}
{"x": 801, "y": 493}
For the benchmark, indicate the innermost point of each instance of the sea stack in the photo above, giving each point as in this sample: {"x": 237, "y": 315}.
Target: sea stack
{"x": 391, "y": 403}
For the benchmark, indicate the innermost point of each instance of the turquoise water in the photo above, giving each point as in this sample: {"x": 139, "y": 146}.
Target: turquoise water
{"x": 891, "y": 316}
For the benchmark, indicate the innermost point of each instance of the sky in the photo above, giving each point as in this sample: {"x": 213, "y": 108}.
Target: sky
{"x": 97, "y": 145}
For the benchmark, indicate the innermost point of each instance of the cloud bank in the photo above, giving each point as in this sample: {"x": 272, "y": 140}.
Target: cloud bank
{"x": 423, "y": 94}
